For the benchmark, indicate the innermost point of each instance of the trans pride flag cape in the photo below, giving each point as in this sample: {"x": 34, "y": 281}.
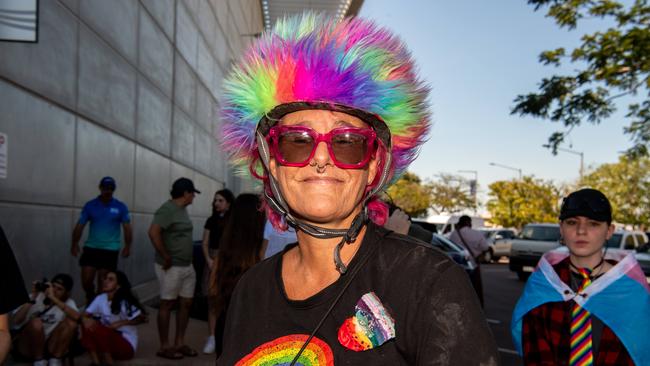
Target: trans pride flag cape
{"x": 620, "y": 298}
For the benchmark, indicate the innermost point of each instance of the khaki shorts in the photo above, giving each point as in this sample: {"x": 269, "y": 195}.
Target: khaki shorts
{"x": 176, "y": 281}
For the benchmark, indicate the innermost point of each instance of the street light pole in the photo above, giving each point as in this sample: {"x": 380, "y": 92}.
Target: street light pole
{"x": 475, "y": 187}
{"x": 582, "y": 158}
{"x": 507, "y": 167}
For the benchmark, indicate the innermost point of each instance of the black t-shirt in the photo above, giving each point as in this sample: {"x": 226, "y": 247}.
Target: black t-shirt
{"x": 216, "y": 224}
{"x": 12, "y": 286}
{"x": 409, "y": 304}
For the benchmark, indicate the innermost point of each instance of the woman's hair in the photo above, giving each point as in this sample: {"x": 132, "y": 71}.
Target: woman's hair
{"x": 240, "y": 246}
{"x": 227, "y": 195}
{"x": 124, "y": 295}
{"x": 314, "y": 61}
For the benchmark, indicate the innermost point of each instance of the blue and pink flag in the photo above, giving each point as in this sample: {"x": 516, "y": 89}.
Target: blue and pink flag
{"x": 620, "y": 299}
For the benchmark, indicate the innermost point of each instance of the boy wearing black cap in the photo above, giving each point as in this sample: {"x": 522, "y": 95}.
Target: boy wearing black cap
{"x": 100, "y": 252}
{"x": 587, "y": 306}
{"x": 46, "y": 324}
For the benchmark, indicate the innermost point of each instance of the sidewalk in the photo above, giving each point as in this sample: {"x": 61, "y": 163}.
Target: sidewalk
{"x": 195, "y": 336}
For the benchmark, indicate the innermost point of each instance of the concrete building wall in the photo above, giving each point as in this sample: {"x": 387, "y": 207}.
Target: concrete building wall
{"x": 124, "y": 88}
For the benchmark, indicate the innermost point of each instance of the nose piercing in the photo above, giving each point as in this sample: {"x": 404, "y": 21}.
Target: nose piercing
{"x": 319, "y": 169}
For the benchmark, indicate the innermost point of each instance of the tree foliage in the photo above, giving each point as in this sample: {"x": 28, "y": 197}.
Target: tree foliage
{"x": 610, "y": 64}
{"x": 515, "y": 203}
{"x": 450, "y": 194}
{"x": 411, "y": 195}
{"x": 627, "y": 185}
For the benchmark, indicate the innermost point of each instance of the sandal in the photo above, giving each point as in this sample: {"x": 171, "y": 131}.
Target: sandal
{"x": 169, "y": 354}
{"x": 187, "y": 351}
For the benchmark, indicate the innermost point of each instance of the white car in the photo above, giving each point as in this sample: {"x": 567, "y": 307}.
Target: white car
{"x": 500, "y": 241}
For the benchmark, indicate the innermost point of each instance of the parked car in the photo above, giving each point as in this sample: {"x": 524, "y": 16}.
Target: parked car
{"x": 458, "y": 254}
{"x": 530, "y": 245}
{"x": 500, "y": 241}
{"x": 642, "y": 255}
{"x": 628, "y": 240}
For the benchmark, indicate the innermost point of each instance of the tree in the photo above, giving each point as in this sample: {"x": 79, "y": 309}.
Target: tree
{"x": 450, "y": 194}
{"x": 515, "y": 203}
{"x": 610, "y": 64}
{"x": 627, "y": 185}
{"x": 411, "y": 195}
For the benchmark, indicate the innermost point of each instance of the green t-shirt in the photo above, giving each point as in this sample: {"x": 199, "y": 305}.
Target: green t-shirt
{"x": 176, "y": 233}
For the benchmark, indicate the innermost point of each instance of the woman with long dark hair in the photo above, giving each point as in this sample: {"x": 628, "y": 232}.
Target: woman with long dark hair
{"x": 212, "y": 232}
{"x": 108, "y": 324}
{"x": 239, "y": 250}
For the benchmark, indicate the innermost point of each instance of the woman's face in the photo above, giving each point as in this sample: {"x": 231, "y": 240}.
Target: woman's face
{"x": 320, "y": 192}
{"x": 585, "y": 237}
{"x": 110, "y": 282}
{"x": 220, "y": 203}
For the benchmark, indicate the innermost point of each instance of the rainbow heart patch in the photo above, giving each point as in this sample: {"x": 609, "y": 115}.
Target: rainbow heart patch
{"x": 370, "y": 327}
{"x": 281, "y": 351}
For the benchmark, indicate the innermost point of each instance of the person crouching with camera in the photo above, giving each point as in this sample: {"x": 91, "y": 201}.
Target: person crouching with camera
{"x": 46, "y": 324}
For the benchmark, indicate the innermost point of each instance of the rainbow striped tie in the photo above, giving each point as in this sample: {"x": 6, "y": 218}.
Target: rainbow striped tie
{"x": 581, "y": 353}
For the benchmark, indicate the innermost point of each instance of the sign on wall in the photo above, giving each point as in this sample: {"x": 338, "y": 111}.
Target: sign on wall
{"x": 19, "y": 20}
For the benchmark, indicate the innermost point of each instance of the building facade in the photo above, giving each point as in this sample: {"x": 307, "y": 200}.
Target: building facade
{"x": 125, "y": 88}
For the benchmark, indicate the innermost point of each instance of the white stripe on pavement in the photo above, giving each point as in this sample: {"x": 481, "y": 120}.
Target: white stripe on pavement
{"x": 509, "y": 351}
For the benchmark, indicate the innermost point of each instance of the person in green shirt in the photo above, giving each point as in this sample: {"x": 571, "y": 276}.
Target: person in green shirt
{"x": 171, "y": 235}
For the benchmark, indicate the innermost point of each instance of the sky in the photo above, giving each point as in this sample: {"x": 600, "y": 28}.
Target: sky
{"x": 477, "y": 56}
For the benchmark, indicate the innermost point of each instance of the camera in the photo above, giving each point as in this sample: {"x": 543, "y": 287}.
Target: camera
{"x": 42, "y": 285}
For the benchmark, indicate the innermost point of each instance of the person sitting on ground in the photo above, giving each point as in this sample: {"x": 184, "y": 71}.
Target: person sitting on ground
{"x": 46, "y": 325}
{"x": 584, "y": 305}
{"x": 108, "y": 324}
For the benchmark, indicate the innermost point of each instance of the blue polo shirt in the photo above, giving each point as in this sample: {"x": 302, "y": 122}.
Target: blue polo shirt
{"x": 105, "y": 221}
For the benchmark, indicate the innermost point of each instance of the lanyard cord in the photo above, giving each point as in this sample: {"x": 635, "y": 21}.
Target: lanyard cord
{"x": 351, "y": 277}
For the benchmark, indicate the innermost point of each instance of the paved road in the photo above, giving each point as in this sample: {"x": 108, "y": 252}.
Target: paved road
{"x": 502, "y": 290}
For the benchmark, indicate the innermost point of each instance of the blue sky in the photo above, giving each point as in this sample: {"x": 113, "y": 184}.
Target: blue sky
{"x": 478, "y": 56}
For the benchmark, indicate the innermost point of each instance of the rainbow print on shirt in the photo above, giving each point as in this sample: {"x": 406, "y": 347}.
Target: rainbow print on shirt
{"x": 370, "y": 327}
{"x": 281, "y": 351}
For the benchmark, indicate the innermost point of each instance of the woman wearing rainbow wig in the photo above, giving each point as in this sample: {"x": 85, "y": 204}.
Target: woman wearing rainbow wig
{"x": 327, "y": 114}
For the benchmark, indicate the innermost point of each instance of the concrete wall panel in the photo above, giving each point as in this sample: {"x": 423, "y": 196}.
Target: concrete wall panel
{"x": 154, "y": 118}
{"x": 73, "y": 5}
{"x": 163, "y": 12}
{"x": 205, "y": 63}
{"x": 40, "y": 253}
{"x": 187, "y": 35}
{"x": 100, "y": 153}
{"x": 139, "y": 266}
{"x": 205, "y": 109}
{"x": 40, "y": 139}
{"x": 152, "y": 174}
{"x": 202, "y": 205}
{"x": 217, "y": 83}
{"x": 47, "y": 67}
{"x": 115, "y": 21}
{"x": 156, "y": 58}
{"x": 184, "y": 86}
{"x": 206, "y": 20}
{"x": 221, "y": 48}
{"x": 183, "y": 138}
{"x": 106, "y": 85}
{"x": 202, "y": 151}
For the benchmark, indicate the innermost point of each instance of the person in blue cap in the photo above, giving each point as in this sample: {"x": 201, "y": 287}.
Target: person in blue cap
{"x": 101, "y": 251}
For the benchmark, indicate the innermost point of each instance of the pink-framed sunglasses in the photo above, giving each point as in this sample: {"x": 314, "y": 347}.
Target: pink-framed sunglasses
{"x": 349, "y": 147}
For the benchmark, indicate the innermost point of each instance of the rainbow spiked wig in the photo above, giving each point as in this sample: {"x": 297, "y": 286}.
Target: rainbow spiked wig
{"x": 312, "y": 61}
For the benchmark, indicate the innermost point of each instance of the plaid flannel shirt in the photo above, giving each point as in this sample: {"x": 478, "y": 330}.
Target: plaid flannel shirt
{"x": 546, "y": 334}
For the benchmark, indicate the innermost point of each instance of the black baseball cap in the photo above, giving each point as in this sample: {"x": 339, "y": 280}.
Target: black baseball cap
{"x": 587, "y": 202}
{"x": 182, "y": 185}
{"x": 64, "y": 280}
{"x": 107, "y": 182}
